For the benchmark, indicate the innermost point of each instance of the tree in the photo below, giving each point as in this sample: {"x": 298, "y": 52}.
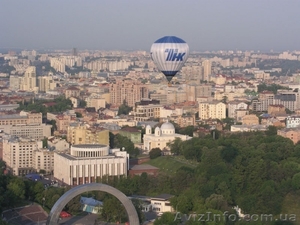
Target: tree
{"x": 272, "y": 130}
{"x": 74, "y": 205}
{"x": 17, "y": 188}
{"x": 189, "y": 130}
{"x": 122, "y": 141}
{"x": 224, "y": 99}
{"x": 113, "y": 210}
{"x": 82, "y": 104}
{"x": 167, "y": 218}
{"x": 229, "y": 153}
{"x": 78, "y": 114}
{"x": 154, "y": 153}
{"x": 138, "y": 208}
{"x": 45, "y": 143}
{"x": 54, "y": 126}
{"x": 124, "y": 109}
{"x": 2, "y": 167}
{"x": 176, "y": 146}
{"x": 296, "y": 181}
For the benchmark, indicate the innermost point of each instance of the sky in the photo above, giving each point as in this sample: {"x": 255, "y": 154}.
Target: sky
{"x": 206, "y": 25}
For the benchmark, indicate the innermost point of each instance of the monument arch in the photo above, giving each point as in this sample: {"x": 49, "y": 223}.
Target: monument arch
{"x": 69, "y": 195}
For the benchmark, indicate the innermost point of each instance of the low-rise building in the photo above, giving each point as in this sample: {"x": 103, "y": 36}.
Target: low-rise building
{"x": 250, "y": 120}
{"x": 247, "y": 128}
{"x": 88, "y": 163}
{"x": 290, "y": 133}
{"x": 161, "y": 203}
{"x": 161, "y": 137}
{"x": 132, "y": 133}
{"x": 292, "y": 121}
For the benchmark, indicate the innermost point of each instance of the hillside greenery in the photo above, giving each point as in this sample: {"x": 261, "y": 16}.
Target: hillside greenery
{"x": 61, "y": 104}
{"x": 258, "y": 171}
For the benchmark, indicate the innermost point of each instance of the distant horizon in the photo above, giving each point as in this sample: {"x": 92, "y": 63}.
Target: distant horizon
{"x": 4, "y": 50}
{"x": 133, "y": 25}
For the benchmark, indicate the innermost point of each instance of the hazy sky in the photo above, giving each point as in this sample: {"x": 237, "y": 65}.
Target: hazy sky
{"x": 136, "y": 24}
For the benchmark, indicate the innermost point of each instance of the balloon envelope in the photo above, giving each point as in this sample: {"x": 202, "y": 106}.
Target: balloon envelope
{"x": 169, "y": 54}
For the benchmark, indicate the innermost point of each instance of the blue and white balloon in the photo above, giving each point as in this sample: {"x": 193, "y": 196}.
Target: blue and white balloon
{"x": 169, "y": 54}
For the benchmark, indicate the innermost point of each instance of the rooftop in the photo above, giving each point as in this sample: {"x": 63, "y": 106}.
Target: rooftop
{"x": 89, "y": 146}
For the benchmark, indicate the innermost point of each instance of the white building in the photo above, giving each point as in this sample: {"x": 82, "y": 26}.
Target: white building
{"x": 248, "y": 128}
{"x": 292, "y": 121}
{"x": 89, "y": 162}
{"x": 234, "y": 106}
{"x": 34, "y": 131}
{"x": 161, "y": 203}
{"x": 18, "y": 153}
{"x": 29, "y": 80}
{"x": 161, "y": 137}
{"x": 212, "y": 110}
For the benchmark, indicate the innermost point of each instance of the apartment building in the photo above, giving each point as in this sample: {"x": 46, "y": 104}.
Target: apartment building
{"x": 250, "y": 120}
{"x": 79, "y": 133}
{"x": 21, "y": 118}
{"x": 291, "y": 133}
{"x": 29, "y": 81}
{"x": 146, "y": 109}
{"x": 288, "y": 99}
{"x": 206, "y": 65}
{"x": 72, "y": 92}
{"x": 212, "y": 110}
{"x": 43, "y": 159}
{"x": 184, "y": 120}
{"x": 46, "y": 83}
{"x": 18, "y": 153}
{"x": 233, "y": 106}
{"x": 129, "y": 91}
{"x": 95, "y": 101}
{"x": 194, "y": 91}
{"x": 34, "y": 131}
{"x": 162, "y": 98}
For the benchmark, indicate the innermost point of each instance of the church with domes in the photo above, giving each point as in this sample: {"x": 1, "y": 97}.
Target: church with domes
{"x": 161, "y": 137}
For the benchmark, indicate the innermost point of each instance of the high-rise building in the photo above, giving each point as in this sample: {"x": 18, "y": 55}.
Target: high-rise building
{"x": 130, "y": 91}
{"x": 29, "y": 79}
{"x": 15, "y": 82}
{"x": 46, "y": 83}
{"x": 18, "y": 154}
{"x": 74, "y": 52}
{"x": 194, "y": 91}
{"x": 206, "y": 65}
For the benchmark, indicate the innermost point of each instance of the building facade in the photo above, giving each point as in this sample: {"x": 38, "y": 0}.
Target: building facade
{"x": 292, "y": 121}
{"x": 161, "y": 137}
{"x": 212, "y": 110}
{"x": 129, "y": 91}
{"x": 78, "y": 133}
{"x": 291, "y": 133}
{"x": 18, "y": 153}
{"x": 234, "y": 106}
{"x": 88, "y": 163}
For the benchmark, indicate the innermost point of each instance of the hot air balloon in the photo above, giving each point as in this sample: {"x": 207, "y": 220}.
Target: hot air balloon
{"x": 169, "y": 54}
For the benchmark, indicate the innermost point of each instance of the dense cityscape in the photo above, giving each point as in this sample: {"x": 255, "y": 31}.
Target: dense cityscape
{"x": 222, "y": 136}
{"x": 149, "y": 112}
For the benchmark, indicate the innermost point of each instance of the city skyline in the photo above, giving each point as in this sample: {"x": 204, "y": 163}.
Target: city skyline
{"x": 135, "y": 25}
